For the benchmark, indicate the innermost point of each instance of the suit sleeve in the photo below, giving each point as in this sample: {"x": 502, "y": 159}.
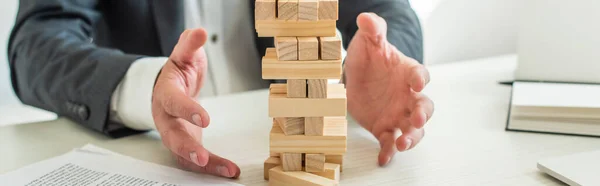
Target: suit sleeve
{"x": 404, "y": 28}
{"x": 56, "y": 66}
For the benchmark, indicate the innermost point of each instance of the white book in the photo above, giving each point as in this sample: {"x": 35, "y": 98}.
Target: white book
{"x": 555, "y": 108}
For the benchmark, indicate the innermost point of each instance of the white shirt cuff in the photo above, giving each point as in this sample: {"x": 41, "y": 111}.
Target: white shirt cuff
{"x": 131, "y": 103}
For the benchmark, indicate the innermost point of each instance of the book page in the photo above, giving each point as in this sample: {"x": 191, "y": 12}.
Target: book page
{"x": 84, "y": 167}
{"x": 556, "y": 95}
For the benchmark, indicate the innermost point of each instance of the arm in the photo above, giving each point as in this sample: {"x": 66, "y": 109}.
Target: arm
{"x": 55, "y": 65}
{"x": 404, "y": 29}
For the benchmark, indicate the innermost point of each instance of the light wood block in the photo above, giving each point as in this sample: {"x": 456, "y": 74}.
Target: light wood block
{"x": 287, "y": 10}
{"x": 314, "y": 126}
{"x": 332, "y": 143}
{"x": 297, "y": 178}
{"x": 317, "y": 88}
{"x": 308, "y": 48}
{"x": 296, "y": 88}
{"x": 291, "y": 126}
{"x": 282, "y": 106}
{"x": 336, "y": 159}
{"x": 328, "y": 9}
{"x": 329, "y": 158}
{"x": 274, "y": 28}
{"x": 269, "y": 164}
{"x": 272, "y": 68}
{"x": 308, "y": 10}
{"x": 314, "y": 162}
{"x": 291, "y": 161}
{"x": 265, "y": 10}
{"x": 331, "y": 171}
{"x": 287, "y": 48}
{"x": 331, "y": 48}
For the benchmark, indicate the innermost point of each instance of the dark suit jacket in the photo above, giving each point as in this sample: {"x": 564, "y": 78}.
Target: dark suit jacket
{"x": 67, "y": 56}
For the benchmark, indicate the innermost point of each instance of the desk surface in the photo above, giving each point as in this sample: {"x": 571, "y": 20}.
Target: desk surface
{"x": 465, "y": 143}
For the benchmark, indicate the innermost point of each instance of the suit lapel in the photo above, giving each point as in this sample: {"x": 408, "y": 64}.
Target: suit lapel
{"x": 169, "y": 19}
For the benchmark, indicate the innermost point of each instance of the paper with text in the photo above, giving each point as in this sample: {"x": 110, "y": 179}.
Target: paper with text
{"x": 92, "y": 166}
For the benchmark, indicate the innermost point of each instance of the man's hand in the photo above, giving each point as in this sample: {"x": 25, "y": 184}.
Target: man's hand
{"x": 384, "y": 89}
{"x": 177, "y": 115}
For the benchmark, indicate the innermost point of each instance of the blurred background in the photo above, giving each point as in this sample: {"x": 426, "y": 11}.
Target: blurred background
{"x": 454, "y": 30}
{"x": 8, "y": 12}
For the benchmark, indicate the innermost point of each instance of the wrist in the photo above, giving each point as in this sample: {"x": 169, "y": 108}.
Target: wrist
{"x": 134, "y": 106}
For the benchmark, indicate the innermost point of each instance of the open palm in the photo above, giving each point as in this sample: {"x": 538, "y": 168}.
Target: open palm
{"x": 383, "y": 87}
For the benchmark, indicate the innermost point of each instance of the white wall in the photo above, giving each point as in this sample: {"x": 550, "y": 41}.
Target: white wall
{"x": 457, "y": 30}
{"x": 8, "y": 12}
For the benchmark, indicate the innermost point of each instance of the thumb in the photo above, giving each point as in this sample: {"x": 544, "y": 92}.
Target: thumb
{"x": 188, "y": 48}
{"x": 372, "y": 27}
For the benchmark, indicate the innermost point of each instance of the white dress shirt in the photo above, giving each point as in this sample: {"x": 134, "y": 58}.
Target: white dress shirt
{"x": 233, "y": 61}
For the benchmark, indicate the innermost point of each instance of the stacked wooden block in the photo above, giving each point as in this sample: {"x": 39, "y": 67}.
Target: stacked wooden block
{"x": 308, "y": 137}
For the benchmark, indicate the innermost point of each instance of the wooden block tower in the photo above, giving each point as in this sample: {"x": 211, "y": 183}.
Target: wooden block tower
{"x": 308, "y": 137}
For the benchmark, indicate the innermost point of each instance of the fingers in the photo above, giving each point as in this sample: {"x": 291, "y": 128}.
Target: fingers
{"x": 216, "y": 165}
{"x": 386, "y": 141}
{"x": 184, "y": 145}
{"x": 372, "y": 26}
{"x": 177, "y": 104}
{"x": 409, "y": 139}
{"x": 419, "y": 78}
{"x": 190, "y": 42}
{"x": 422, "y": 111}
{"x": 415, "y": 73}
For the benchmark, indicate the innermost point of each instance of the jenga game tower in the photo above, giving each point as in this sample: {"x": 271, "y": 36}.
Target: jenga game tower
{"x": 308, "y": 138}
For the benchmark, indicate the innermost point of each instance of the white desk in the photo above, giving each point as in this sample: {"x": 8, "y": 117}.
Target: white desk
{"x": 465, "y": 142}
{"x": 18, "y": 114}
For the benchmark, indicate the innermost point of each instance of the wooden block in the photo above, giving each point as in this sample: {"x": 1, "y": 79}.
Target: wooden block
{"x": 331, "y": 48}
{"x": 328, "y": 9}
{"x": 296, "y": 88}
{"x": 287, "y": 10}
{"x": 272, "y": 68}
{"x": 332, "y": 143}
{"x": 317, "y": 88}
{"x": 297, "y": 178}
{"x": 331, "y": 171}
{"x": 314, "y": 126}
{"x": 277, "y": 183}
{"x": 336, "y": 159}
{"x": 291, "y": 161}
{"x": 291, "y": 126}
{"x": 308, "y": 48}
{"x": 282, "y": 106}
{"x": 287, "y": 48}
{"x": 275, "y": 28}
{"x": 265, "y": 10}
{"x": 308, "y": 10}
{"x": 329, "y": 158}
{"x": 314, "y": 162}
{"x": 269, "y": 164}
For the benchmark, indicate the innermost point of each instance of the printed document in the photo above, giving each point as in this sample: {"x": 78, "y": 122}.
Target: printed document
{"x": 94, "y": 166}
